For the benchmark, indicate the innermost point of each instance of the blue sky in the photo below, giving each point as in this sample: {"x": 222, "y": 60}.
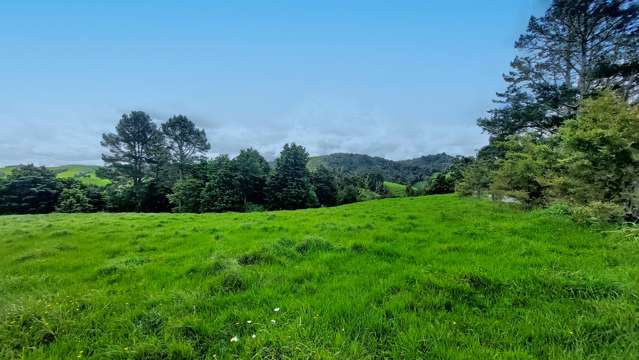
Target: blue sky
{"x": 389, "y": 78}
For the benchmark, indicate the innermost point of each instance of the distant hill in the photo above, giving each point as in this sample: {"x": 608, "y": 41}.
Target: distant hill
{"x": 84, "y": 173}
{"x": 403, "y": 171}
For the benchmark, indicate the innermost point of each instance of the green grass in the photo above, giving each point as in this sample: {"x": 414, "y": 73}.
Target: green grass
{"x": 395, "y": 189}
{"x": 84, "y": 173}
{"x": 424, "y": 277}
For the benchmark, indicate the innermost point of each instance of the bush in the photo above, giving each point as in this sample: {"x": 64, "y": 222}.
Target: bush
{"x": 598, "y": 212}
{"x": 73, "y": 200}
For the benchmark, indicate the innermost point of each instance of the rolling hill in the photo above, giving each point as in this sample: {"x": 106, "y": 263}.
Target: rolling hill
{"x": 84, "y": 173}
{"x": 404, "y": 171}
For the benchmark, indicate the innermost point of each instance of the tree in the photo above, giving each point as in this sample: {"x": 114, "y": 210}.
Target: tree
{"x": 252, "y": 171}
{"x": 325, "y": 186}
{"x": 73, "y": 200}
{"x": 440, "y": 183}
{"x": 528, "y": 172}
{"x": 185, "y": 197}
{"x": 134, "y": 147}
{"x": 222, "y": 192}
{"x": 375, "y": 182}
{"x": 29, "y": 190}
{"x": 600, "y": 150}
{"x": 289, "y": 186}
{"x": 475, "y": 179}
{"x": 578, "y": 47}
{"x": 186, "y": 143}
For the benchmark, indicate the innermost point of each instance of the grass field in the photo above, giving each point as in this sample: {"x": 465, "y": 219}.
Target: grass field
{"x": 84, "y": 173}
{"x": 424, "y": 277}
{"x": 395, "y": 189}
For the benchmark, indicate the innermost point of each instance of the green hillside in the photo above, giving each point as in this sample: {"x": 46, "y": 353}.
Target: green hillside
{"x": 84, "y": 173}
{"x": 424, "y": 277}
{"x": 404, "y": 171}
{"x": 395, "y": 189}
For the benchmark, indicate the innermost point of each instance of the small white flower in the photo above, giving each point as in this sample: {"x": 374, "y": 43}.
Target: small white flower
{"x": 249, "y": 321}
{"x": 273, "y": 321}
{"x": 234, "y": 339}
{"x": 276, "y": 309}
{"x": 253, "y": 336}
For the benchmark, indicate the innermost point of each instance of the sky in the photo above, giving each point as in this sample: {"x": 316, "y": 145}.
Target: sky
{"x": 397, "y": 79}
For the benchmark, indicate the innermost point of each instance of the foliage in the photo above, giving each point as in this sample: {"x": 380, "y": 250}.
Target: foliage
{"x": 289, "y": 186}
{"x": 186, "y": 144}
{"x": 185, "y": 196}
{"x": 395, "y": 278}
{"x": 600, "y": 150}
{"x": 325, "y": 186}
{"x": 253, "y": 171}
{"x": 575, "y": 49}
{"x": 475, "y": 179}
{"x": 222, "y": 192}
{"x": 404, "y": 171}
{"x": 73, "y": 200}
{"x": 135, "y": 146}
{"x": 527, "y": 172}
{"x": 29, "y": 190}
{"x": 597, "y": 213}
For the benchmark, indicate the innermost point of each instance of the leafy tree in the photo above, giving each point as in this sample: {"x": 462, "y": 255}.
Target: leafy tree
{"x": 186, "y": 143}
{"x": 578, "y": 47}
{"x": 528, "y": 171}
{"x": 289, "y": 186}
{"x": 73, "y": 200}
{"x": 475, "y": 179}
{"x": 120, "y": 197}
{"x": 222, "y": 192}
{"x": 600, "y": 150}
{"x": 153, "y": 196}
{"x": 29, "y": 190}
{"x": 325, "y": 186}
{"x": 375, "y": 182}
{"x": 186, "y": 195}
{"x": 134, "y": 147}
{"x": 347, "y": 194}
{"x": 440, "y": 183}
{"x": 252, "y": 170}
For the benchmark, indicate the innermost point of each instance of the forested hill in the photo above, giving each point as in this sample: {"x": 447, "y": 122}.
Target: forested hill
{"x": 403, "y": 171}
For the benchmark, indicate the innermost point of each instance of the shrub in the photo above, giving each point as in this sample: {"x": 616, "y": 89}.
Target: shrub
{"x": 598, "y": 212}
{"x": 73, "y": 200}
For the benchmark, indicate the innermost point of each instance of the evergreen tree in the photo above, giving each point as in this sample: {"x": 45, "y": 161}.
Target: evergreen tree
{"x": 134, "y": 147}
{"x": 186, "y": 195}
{"x": 289, "y": 186}
{"x": 325, "y": 186}
{"x": 29, "y": 190}
{"x": 186, "y": 143}
{"x": 578, "y": 47}
{"x": 222, "y": 192}
{"x": 252, "y": 170}
{"x": 73, "y": 200}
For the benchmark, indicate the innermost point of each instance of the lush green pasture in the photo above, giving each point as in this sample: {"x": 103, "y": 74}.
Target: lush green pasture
{"x": 395, "y": 189}
{"x": 426, "y": 277}
{"x": 84, "y": 173}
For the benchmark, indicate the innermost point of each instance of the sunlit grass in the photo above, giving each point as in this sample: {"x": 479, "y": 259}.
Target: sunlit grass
{"x": 426, "y": 277}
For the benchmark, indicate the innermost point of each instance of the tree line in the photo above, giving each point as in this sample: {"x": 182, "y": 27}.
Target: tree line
{"x": 565, "y": 132}
{"x": 165, "y": 168}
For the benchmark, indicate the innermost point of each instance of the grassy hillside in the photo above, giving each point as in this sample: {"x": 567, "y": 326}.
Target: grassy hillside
{"x": 396, "y": 189}
{"x": 84, "y": 173}
{"x": 426, "y": 277}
